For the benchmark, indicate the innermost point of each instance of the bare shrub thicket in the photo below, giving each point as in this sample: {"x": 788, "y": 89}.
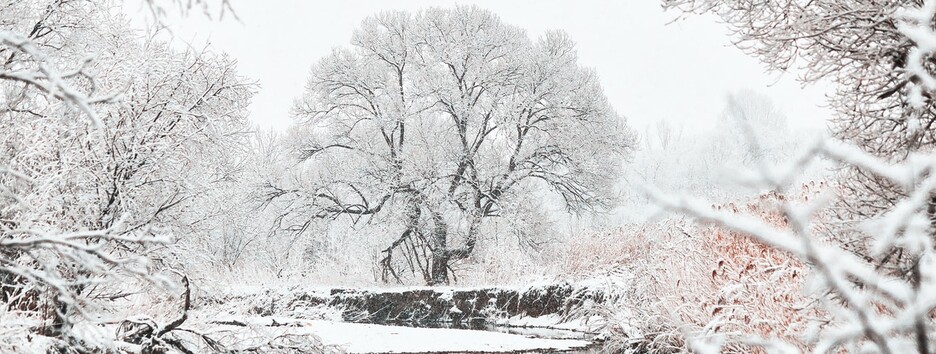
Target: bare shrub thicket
{"x": 115, "y": 153}
{"x": 682, "y": 278}
{"x": 877, "y": 58}
{"x": 871, "y": 262}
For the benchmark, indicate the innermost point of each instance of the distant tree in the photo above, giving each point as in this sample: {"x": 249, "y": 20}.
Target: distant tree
{"x": 750, "y": 132}
{"x": 662, "y": 135}
{"x": 443, "y": 122}
{"x": 753, "y": 130}
{"x": 860, "y": 48}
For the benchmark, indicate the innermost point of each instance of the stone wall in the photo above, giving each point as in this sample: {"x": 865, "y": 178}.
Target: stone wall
{"x": 424, "y": 305}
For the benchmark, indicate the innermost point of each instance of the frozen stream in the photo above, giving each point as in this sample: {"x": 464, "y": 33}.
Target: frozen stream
{"x": 425, "y": 320}
{"x": 376, "y": 338}
{"x": 371, "y": 338}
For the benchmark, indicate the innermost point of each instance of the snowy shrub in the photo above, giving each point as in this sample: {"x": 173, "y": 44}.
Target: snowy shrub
{"x": 671, "y": 278}
{"x": 103, "y": 157}
{"x": 871, "y": 265}
{"x": 864, "y": 307}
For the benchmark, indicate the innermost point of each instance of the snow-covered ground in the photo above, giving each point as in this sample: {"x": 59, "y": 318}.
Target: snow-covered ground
{"x": 373, "y": 338}
{"x": 252, "y": 314}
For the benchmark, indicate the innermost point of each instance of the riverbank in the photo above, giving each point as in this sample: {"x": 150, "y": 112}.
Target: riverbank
{"x": 375, "y": 338}
{"x": 555, "y": 317}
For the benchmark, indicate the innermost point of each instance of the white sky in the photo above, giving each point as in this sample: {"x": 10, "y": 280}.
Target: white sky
{"x": 650, "y": 70}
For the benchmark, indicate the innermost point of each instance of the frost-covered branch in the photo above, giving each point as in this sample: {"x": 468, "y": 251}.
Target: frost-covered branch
{"x": 869, "y": 239}
{"x": 85, "y": 212}
{"x": 869, "y": 305}
{"x": 48, "y": 80}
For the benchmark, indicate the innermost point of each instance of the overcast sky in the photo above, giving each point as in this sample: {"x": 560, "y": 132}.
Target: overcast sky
{"x": 651, "y": 69}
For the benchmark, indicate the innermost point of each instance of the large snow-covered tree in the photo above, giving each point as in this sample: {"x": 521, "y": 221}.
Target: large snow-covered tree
{"x": 443, "y": 124}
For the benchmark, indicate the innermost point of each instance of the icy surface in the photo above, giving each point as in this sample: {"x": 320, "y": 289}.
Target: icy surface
{"x": 373, "y": 338}
{"x": 368, "y": 338}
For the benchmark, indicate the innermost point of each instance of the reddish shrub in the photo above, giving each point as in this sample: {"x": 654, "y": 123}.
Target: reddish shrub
{"x": 700, "y": 279}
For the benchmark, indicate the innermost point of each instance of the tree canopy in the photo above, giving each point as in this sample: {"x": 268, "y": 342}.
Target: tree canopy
{"x": 444, "y": 122}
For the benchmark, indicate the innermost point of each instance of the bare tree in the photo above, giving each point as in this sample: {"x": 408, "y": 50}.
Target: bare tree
{"x": 755, "y": 128}
{"x": 438, "y": 122}
{"x": 96, "y": 151}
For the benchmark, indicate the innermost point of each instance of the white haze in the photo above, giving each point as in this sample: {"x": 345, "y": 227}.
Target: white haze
{"x": 681, "y": 73}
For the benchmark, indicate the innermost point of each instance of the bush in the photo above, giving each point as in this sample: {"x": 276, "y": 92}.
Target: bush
{"x": 702, "y": 280}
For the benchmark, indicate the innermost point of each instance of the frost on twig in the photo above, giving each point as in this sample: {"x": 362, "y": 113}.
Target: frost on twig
{"x": 53, "y": 269}
{"x": 870, "y": 307}
{"x": 50, "y": 81}
{"x": 48, "y": 267}
{"x": 872, "y": 263}
{"x": 916, "y": 25}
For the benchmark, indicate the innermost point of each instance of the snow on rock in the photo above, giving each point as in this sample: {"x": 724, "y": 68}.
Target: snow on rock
{"x": 454, "y": 309}
{"x": 418, "y": 304}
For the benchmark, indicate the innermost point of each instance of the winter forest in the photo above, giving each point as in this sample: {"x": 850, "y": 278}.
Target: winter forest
{"x": 698, "y": 176}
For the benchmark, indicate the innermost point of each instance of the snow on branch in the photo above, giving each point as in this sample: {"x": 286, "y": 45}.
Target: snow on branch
{"x": 878, "y": 296}
{"x": 863, "y": 294}
{"x": 48, "y": 80}
{"x": 871, "y": 306}
{"x": 86, "y": 254}
{"x": 916, "y": 25}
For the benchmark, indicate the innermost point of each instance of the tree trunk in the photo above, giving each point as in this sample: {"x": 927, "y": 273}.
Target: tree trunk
{"x": 439, "y": 273}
